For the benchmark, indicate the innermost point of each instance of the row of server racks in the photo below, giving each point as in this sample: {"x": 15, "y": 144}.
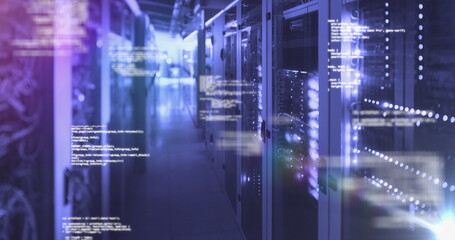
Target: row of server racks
{"x": 331, "y": 119}
{"x": 43, "y": 96}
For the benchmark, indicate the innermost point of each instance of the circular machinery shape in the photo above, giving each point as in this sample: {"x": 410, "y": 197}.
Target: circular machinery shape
{"x": 20, "y": 97}
{"x": 17, "y": 219}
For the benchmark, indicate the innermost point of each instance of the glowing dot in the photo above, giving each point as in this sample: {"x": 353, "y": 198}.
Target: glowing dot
{"x": 420, "y": 58}
{"x": 420, "y": 16}
{"x": 420, "y": 27}
{"x": 444, "y": 185}
{"x": 420, "y": 6}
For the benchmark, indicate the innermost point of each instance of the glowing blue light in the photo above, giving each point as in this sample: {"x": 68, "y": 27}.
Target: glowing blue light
{"x": 446, "y": 229}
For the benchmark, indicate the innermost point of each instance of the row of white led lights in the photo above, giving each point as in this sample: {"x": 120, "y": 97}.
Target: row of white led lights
{"x": 418, "y": 172}
{"x": 396, "y": 193}
{"x": 423, "y": 113}
{"x": 387, "y": 40}
{"x": 420, "y": 42}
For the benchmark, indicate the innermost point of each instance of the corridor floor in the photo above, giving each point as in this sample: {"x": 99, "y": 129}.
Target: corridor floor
{"x": 184, "y": 199}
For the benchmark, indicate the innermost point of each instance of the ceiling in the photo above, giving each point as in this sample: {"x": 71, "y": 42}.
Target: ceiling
{"x": 159, "y": 11}
{"x": 176, "y": 16}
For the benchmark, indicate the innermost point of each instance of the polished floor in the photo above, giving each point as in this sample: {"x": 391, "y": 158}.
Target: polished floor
{"x": 183, "y": 198}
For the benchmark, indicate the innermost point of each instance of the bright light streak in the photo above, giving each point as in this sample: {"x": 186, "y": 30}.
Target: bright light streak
{"x": 446, "y": 229}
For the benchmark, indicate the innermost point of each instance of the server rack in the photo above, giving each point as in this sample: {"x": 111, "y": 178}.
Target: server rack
{"x": 295, "y": 121}
{"x": 325, "y": 165}
{"x": 251, "y": 109}
{"x": 406, "y": 166}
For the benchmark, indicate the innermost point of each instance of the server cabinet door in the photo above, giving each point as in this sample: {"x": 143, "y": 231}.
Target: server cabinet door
{"x": 251, "y": 111}
{"x": 399, "y": 121}
{"x": 295, "y": 120}
{"x": 230, "y": 67}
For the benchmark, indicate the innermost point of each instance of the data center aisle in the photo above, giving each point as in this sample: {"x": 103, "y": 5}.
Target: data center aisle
{"x": 185, "y": 199}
